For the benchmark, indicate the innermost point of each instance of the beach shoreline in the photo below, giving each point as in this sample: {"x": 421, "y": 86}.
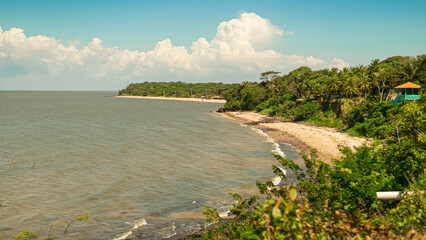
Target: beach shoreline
{"x": 300, "y": 135}
{"x": 177, "y": 99}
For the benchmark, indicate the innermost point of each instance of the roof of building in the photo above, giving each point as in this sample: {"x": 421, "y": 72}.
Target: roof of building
{"x": 408, "y": 85}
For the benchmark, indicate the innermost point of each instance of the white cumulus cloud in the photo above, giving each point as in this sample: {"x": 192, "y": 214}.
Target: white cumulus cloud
{"x": 240, "y": 50}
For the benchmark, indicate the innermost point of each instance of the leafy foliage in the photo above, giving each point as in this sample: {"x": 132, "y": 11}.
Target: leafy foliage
{"x": 325, "y": 203}
{"x": 355, "y": 99}
{"x": 177, "y": 89}
{"x": 78, "y": 219}
{"x": 339, "y": 201}
{"x": 22, "y": 234}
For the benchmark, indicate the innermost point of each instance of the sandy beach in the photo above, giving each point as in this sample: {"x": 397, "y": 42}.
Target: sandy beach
{"x": 178, "y": 99}
{"x": 303, "y": 136}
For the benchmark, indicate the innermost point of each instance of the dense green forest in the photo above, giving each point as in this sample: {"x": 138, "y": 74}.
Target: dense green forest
{"x": 328, "y": 97}
{"x": 338, "y": 201}
{"x": 177, "y": 89}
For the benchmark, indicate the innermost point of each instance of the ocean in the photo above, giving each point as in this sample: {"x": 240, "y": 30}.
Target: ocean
{"x": 141, "y": 168}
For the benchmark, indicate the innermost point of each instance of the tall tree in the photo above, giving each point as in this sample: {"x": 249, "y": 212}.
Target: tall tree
{"x": 364, "y": 85}
{"x": 410, "y": 71}
{"x": 385, "y": 79}
{"x": 296, "y": 80}
{"x": 268, "y": 76}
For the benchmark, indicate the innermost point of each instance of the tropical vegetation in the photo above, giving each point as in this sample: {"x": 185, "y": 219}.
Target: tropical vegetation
{"x": 338, "y": 200}
{"x": 177, "y": 89}
{"x": 344, "y": 99}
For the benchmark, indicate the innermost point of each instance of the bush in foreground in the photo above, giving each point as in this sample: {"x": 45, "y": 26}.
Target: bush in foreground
{"x": 320, "y": 206}
{"x": 339, "y": 201}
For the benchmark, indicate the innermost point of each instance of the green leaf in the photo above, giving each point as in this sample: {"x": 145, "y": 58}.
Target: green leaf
{"x": 289, "y": 207}
{"x": 276, "y": 213}
{"x": 292, "y": 194}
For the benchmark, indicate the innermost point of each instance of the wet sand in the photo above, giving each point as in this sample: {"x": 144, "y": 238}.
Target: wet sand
{"x": 301, "y": 135}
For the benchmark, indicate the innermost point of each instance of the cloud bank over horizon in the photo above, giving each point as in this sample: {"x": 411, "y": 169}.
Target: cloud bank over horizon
{"x": 241, "y": 49}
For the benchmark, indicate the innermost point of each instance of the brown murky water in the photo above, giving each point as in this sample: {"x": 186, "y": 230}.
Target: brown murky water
{"x": 130, "y": 163}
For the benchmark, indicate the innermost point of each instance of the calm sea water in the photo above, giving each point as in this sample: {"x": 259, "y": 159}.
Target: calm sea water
{"x": 141, "y": 165}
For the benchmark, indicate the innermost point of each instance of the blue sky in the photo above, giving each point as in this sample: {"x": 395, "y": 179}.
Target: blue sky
{"x": 352, "y": 32}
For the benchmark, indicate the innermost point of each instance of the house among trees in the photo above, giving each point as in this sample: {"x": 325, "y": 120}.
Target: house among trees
{"x": 408, "y": 92}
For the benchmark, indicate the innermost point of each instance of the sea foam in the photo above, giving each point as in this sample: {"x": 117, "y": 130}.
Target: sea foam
{"x": 172, "y": 231}
{"x": 277, "y": 149}
{"x": 277, "y": 180}
{"x": 136, "y": 224}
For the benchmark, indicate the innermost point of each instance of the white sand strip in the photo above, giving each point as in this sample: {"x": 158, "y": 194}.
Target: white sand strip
{"x": 178, "y": 99}
{"x": 324, "y": 140}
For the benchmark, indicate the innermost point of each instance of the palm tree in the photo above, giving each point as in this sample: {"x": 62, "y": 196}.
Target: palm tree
{"x": 410, "y": 71}
{"x": 335, "y": 85}
{"x": 350, "y": 88}
{"x": 364, "y": 85}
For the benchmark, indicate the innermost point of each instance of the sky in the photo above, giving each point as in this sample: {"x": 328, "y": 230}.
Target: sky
{"x": 105, "y": 45}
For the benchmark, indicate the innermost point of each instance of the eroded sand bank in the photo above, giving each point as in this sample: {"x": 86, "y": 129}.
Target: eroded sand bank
{"x": 303, "y": 136}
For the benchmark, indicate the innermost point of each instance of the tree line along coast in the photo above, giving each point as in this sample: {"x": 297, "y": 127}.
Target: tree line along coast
{"x": 328, "y": 97}
{"x": 178, "y": 90}
{"x": 335, "y": 200}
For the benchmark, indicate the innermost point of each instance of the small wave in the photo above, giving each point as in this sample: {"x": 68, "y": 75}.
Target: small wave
{"x": 277, "y": 180}
{"x": 224, "y": 214}
{"x": 137, "y": 224}
{"x": 173, "y": 231}
{"x": 277, "y": 148}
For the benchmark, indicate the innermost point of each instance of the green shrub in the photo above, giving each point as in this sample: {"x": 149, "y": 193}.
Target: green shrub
{"x": 339, "y": 201}
{"x": 22, "y": 234}
{"x": 306, "y": 110}
{"x": 325, "y": 203}
{"x": 410, "y": 213}
{"x": 327, "y": 119}
{"x": 269, "y": 111}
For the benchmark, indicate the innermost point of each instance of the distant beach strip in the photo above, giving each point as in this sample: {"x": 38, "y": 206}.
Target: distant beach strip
{"x": 178, "y": 99}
